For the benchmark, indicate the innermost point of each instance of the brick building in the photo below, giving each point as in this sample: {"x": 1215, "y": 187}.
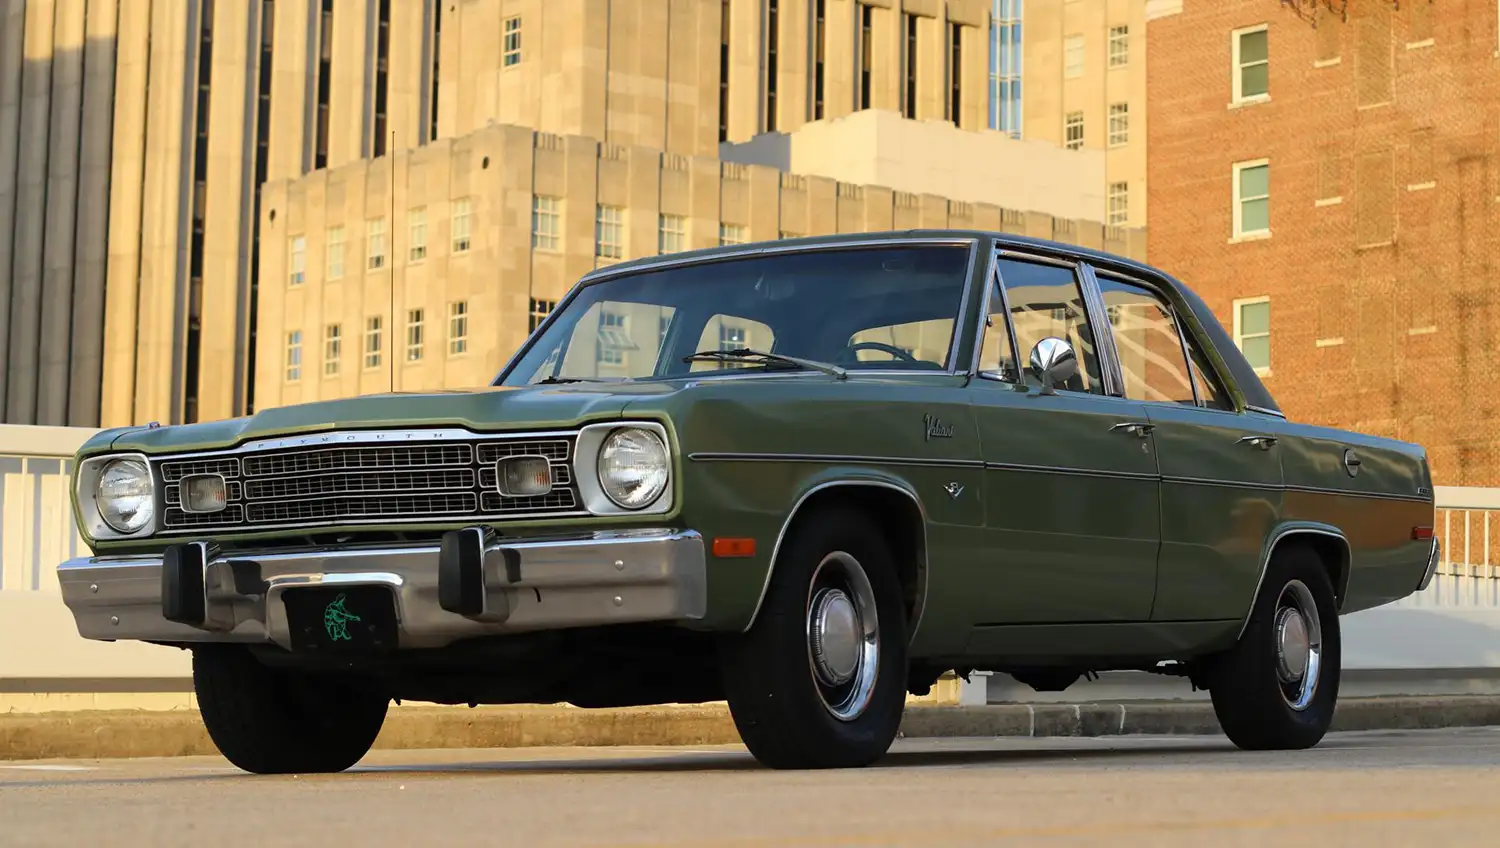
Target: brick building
{"x": 1329, "y": 183}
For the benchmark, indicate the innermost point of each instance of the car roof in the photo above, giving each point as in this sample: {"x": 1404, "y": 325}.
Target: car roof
{"x": 1223, "y": 349}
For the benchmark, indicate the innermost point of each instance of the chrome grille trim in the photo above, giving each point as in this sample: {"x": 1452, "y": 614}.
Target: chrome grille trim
{"x": 368, "y": 477}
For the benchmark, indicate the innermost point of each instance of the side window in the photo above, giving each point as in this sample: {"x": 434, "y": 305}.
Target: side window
{"x": 1208, "y": 388}
{"x": 996, "y": 356}
{"x": 1045, "y": 300}
{"x": 1148, "y": 344}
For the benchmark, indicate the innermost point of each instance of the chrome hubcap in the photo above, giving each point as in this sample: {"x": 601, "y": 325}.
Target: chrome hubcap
{"x": 843, "y": 644}
{"x": 1299, "y": 645}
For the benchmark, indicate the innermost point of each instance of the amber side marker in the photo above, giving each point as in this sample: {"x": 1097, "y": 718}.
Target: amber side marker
{"x": 1421, "y": 534}
{"x": 727, "y": 547}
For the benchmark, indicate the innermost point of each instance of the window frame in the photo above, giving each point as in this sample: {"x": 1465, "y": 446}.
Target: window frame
{"x": 416, "y": 222}
{"x": 294, "y": 356}
{"x": 1237, "y": 68}
{"x": 458, "y": 327}
{"x": 1119, "y": 36}
{"x": 1238, "y": 308}
{"x": 1121, "y": 137}
{"x": 337, "y": 236}
{"x": 1237, "y": 170}
{"x": 1087, "y": 275}
{"x": 547, "y": 242}
{"x": 461, "y": 226}
{"x": 296, "y": 259}
{"x": 1068, "y": 123}
{"x": 510, "y": 56}
{"x": 333, "y": 349}
{"x": 1068, "y": 41}
{"x": 1109, "y": 202}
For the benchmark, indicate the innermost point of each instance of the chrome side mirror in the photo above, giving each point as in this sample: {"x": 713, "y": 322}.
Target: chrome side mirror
{"x": 1053, "y": 361}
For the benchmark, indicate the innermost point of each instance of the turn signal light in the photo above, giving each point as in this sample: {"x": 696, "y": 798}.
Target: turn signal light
{"x": 1421, "y": 534}
{"x": 729, "y": 548}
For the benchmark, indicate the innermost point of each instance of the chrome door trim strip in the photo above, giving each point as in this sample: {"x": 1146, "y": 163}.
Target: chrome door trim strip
{"x": 833, "y": 459}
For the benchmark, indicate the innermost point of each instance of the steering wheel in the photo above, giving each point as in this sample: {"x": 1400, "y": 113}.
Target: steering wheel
{"x": 882, "y": 346}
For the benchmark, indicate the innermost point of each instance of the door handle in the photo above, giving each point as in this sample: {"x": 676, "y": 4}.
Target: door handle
{"x": 1139, "y": 428}
{"x": 1263, "y": 442}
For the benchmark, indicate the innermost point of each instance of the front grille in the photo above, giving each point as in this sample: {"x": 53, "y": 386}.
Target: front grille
{"x": 364, "y": 483}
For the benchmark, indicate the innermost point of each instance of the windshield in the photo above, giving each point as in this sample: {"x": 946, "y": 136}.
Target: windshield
{"x": 866, "y": 308}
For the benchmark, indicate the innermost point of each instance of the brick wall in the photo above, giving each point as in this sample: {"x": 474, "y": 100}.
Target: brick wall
{"x": 1380, "y": 132}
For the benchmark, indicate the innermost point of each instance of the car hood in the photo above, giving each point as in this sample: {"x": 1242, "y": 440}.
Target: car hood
{"x": 492, "y": 409}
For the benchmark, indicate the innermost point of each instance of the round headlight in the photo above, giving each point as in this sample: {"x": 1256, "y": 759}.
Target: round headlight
{"x": 125, "y": 498}
{"x": 633, "y": 467}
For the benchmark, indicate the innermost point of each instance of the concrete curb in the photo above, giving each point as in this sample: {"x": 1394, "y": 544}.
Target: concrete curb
{"x": 112, "y": 734}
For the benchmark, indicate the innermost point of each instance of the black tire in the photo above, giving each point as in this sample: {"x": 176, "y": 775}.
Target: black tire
{"x": 768, "y": 672}
{"x": 1254, "y": 705}
{"x": 270, "y": 721}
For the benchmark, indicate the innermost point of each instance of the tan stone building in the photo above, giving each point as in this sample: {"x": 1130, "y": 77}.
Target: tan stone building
{"x": 136, "y": 136}
{"x": 482, "y": 235}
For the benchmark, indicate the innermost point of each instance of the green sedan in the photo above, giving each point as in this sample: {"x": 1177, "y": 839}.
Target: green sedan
{"x": 806, "y": 477}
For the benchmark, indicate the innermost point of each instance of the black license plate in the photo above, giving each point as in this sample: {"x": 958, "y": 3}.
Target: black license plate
{"x": 341, "y": 619}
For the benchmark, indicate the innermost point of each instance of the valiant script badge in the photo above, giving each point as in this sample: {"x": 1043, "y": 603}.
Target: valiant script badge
{"x": 936, "y": 429}
{"x": 336, "y": 620}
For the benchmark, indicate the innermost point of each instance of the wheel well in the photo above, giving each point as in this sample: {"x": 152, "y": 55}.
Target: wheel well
{"x": 1334, "y": 553}
{"x": 900, "y": 519}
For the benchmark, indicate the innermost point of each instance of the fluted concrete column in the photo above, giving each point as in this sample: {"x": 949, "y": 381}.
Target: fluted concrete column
{"x": 90, "y": 257}
{"x": 12, "y": 50}
{"x": 62, "y": 195}
{"x": 126, "y": 187}
{"x": 31, "y": 205}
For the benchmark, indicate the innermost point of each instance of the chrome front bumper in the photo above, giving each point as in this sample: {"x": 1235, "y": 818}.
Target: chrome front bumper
{"x": 472, "y": 584}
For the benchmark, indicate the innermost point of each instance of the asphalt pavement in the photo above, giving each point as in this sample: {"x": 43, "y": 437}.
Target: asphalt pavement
{"x": 1433, "y": 788}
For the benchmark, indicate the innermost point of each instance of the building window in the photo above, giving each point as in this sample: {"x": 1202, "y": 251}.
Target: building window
{"x": 866, "y": 52}
{"x": 540, "y": 309}
{"x": 723, "y": 71}
{"x": 417, "y": 222}
{"x": 336, "y": 253}
{"x": 325, "y": 85}
{"x": 673, "y": 234}
{"x": 1005, "y": 67}
{"x": 612, "y": 338}
{"x": 1119, "y": 204}
{"x": 731, "y": 234}
{"x": 773, "y": 44}
{"x": 956, "y": 75}
{"x": 382, "y": 76}
{"x": 1119, "y": 46}
{"x": 461, "y": 219}
{"x": 1073, "y": 57}
{"x": 413, "y": 335}
{"x": 458, "y": 327}
{"x": 298, "y": 260}
{"x": 731, "y": 337}
{"x": 375, "y": 244}
{"x": 546, "y": 223}
{"x": 512, "y": 54}
{"x": 372, "y": 341}
{"x": 909, "y": 90}
{"x": 1252, "y": 331}
{"x": 1252, "y": 198}
{"x": 436, "y": 75}
{"x": 333, "y": 349}
{"x": 1119, "y": 124}
{"x": 1073, "y": 131}
{"x": 609, "y": 232}
{"x": 1252, "y": 64}
{"x": 294, "y": 356}
{"x": 820, "y": 37}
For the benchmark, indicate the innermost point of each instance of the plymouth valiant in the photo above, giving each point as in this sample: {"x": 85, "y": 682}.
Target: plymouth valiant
{"x": 805, "y": 477}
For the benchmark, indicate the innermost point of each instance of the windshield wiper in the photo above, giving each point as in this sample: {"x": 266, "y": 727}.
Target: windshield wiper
{"x": 745, "y": 353}
{"x": 556, "y": 379}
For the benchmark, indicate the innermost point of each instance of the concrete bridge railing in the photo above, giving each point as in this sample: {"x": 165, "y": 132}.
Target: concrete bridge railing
{"x": 1445, "y": 639}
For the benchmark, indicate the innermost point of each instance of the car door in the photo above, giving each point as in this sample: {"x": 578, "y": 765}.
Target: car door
{"x": 1070, "y": 481}
{"x": 1221, "y": 489}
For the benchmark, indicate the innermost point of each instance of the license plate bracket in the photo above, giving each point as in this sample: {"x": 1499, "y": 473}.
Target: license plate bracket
{"x": 342, "y": 619}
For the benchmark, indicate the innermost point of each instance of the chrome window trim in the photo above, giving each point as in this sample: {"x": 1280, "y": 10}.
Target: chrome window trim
{"x": 1104, "y": 340}
{"x": 994, "y": 282}
{"x": 599, "y": 275}
{"x": 1275, "y": 413}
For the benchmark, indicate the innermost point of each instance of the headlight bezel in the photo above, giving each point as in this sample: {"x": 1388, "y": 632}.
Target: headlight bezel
{"x": 91, "y": 515}
{"x": 588, "y": 453}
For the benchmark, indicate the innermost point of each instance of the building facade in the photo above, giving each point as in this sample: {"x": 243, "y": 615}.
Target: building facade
{"x": 136, "y": 137}
{"x": 427, "y": 269}
{"x": 1330, "y": 184}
